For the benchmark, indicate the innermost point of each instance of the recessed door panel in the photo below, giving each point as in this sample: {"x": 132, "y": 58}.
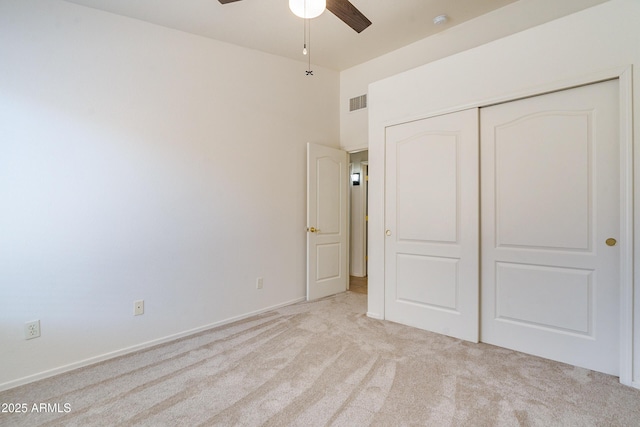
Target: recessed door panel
{"x": 428, "y": 281}
{"x": 328, "y": 261}
{"x": 527, "y": 173}
{"x": 428, "y": 212}
{"x": 566, "y": 294}
{"x": 330, "y": 194}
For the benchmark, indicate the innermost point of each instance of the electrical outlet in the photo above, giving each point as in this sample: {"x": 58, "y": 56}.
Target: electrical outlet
{"x": 32, "y": 330}
{"x": 259, "y": 283}
{"x": 138, "y": 307}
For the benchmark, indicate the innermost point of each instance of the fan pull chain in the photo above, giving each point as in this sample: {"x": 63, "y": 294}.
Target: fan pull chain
{"x": 309, "y": 71}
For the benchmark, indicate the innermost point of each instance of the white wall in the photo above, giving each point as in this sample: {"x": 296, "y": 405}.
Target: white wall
{"x": 581, "y": 46}
{"x": 138, "y": 162}
{"x": 502, "y": 22}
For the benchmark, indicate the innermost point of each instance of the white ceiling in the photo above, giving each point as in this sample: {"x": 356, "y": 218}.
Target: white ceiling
{"x": 269, "y": 26}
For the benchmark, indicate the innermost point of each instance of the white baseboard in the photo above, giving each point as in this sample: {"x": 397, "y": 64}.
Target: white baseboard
{"x": 100, "y": 358}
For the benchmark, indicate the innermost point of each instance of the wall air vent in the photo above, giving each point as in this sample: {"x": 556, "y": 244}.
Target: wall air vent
{"x": 358, "y": 103}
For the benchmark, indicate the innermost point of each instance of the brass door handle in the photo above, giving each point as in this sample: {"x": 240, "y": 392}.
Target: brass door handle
{"x": 611, "y": 241}
{"x": 313, "y": 230}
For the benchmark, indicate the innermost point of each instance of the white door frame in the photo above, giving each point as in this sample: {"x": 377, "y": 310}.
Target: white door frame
{"x": 365, "y": 206}
{"x": 624, "y": 75}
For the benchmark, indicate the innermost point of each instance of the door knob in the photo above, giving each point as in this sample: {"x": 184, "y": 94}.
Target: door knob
{"x": 611, "y": 241}
{"x": 388, "y": 232}
{"x": 313, "y": 230}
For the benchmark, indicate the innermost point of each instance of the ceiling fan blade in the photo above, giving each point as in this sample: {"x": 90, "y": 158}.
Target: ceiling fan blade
{"x": 227, "y": 1}
{"x": 348, "y": 13}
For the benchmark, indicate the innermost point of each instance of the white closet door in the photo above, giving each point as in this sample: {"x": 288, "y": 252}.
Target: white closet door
{"x": 550, "y": 211}
{"x": 431, "y": 215}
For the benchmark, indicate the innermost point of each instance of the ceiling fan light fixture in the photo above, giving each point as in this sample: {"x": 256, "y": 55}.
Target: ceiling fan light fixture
{"x": 307, "y": 9}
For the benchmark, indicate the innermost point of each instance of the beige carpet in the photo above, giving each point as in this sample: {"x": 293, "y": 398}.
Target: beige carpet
{"x": 326, "y": 363}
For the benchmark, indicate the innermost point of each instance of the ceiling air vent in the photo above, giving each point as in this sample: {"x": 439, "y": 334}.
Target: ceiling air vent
{"x": 358, "y": 103}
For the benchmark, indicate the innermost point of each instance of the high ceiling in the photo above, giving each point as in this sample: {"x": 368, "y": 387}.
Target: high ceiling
{"x": 269, "y": 25}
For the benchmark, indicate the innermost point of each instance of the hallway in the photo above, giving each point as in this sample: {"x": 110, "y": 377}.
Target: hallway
{"x": 358, "y": 284}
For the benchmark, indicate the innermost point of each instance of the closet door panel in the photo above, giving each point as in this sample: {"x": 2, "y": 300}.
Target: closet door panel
{"x": 550, "y": 207}
{"x": 431, "y": 247}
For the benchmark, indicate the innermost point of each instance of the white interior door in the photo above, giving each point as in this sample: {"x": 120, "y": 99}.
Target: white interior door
{"x": 327, "y": 231}
{"x": 550, "y": 202}
{"x": 431, "y": 246}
